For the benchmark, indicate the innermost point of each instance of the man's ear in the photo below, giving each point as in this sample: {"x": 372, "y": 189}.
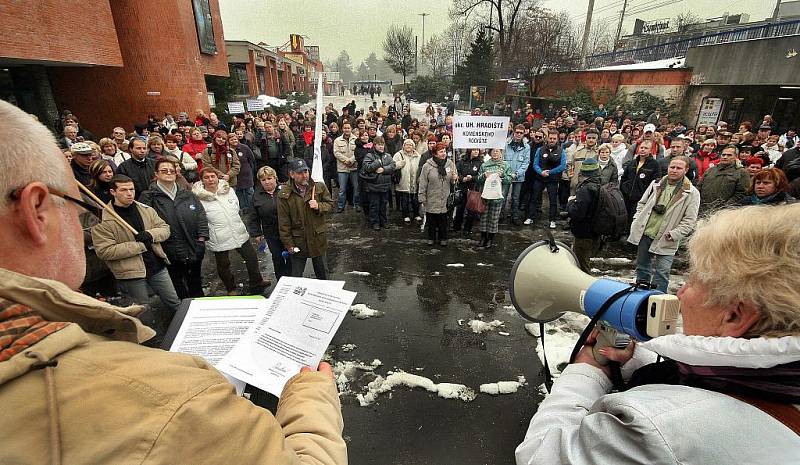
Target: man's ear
{"x": 33, "y": 207}
{"x": 739, "y": 318}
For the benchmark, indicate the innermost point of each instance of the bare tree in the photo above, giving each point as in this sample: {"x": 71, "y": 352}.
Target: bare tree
{"x": 437, "y": 53}
{"x": 504, "y": 17}
{"x": 601, "y": 36}
{"x": 684, "y": 20}
{"x": 398, "y": 49}
{"x": 459, "y": 34}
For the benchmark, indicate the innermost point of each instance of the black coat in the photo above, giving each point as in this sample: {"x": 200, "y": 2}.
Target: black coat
{"x": 377, "y": 182}
{"x": 142, "y": 172}
{"x": 582, "y": 209}
{"x": 262, "y": 217}
{"x": 187, "y": 222}
{"x": 634, "y": 183}
{"x": 469, "y": 167}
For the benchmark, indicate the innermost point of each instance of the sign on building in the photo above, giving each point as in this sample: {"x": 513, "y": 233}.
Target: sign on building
{"x": 235, "y": 108}
{"x": 481, "y": 132}
{"x": 254, "y": 104}
{"x": 656, "y": 26}
{"x": 710, "y": 110}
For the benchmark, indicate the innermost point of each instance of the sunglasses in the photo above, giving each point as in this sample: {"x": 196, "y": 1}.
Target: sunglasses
{"x": 83, "y": 207}
{"x": 167, "y": 171}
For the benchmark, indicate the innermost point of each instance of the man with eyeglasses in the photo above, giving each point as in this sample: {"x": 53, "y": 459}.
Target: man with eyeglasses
{"x": 184, "y": 213}
{"x": 71, "y": 366}
{"x": 518, "y": 157}
{"x": 137, "y": 260}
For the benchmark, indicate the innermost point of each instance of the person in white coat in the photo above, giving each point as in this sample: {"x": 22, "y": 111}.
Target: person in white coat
{"x": 407, "y": 161}
{"x": 665, "y": 215}
{"x": 227, "y": 231}
{"x": 727, "y": 392}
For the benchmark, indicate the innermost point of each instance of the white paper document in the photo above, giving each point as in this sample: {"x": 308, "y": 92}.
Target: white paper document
{"x": 300, "y": 319}
{"x": 212, "y": 327}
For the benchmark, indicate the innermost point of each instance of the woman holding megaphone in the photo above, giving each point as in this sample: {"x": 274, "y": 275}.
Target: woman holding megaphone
{"x": 725, "y": 390}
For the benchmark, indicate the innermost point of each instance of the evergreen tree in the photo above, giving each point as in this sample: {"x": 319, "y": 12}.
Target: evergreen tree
{"x": 478, "y": 68}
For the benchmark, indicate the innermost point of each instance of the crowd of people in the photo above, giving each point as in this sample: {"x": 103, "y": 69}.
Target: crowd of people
{"x": 71, "y": 366}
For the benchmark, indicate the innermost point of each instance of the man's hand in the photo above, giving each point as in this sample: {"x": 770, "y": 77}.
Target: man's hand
{"x": 545, "y": 173}
{"x": 324, "y": 367}
{"x": 313, "y": 204}
{"x": 468, "y": 178}
{"x": 668, "y": 237}
{"x": 379, "y": 170}
{"x": 259, "y": 239}
{"x": 226, "y": 177}
{"x": 145, "y": 238}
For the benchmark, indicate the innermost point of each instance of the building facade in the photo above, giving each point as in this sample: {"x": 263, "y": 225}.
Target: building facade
{"x": 128, "y": 60}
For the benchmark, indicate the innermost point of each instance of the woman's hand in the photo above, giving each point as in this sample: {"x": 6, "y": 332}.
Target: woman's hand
{"x": 618, "y": 355}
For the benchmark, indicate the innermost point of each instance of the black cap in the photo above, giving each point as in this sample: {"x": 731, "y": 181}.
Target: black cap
{"x": 298, "y": 165}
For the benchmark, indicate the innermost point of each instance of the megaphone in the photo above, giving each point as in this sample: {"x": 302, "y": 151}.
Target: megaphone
{"x": 546, "y": 282}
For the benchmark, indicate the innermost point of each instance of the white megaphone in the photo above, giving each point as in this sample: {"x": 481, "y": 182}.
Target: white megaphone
{"x": 546, "y": 282}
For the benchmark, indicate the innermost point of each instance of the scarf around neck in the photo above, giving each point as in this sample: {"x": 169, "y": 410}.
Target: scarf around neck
{"x": 21, "y": 327}
{"x": 440, "y": 166}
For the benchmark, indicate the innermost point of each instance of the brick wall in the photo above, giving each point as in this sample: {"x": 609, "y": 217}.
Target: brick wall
{"x": 163, "y": 68}
{"x": 551, "y": 84}
{"x": 46, "y": 30}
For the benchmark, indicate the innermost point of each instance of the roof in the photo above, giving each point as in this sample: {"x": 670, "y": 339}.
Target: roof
{"x": 670, "y": 63}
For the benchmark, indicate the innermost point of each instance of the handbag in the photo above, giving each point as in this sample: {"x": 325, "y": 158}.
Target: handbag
{"x": 453, "y": 199}
{"x": 398, "y": 173}
{"x": 475, "y": 203}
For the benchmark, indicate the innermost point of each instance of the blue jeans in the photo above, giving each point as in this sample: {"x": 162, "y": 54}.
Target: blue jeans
{"x": 535, "y": 204}
{"x": 514, "y": 190}
{"x": 161, "y": 284}
{"x": 652, "y": 268}
{"x": 245, "y": 196}
{"x": 344, "y": 179}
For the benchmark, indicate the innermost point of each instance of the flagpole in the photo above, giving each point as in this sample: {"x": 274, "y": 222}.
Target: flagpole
{"x": 316, "y": 168}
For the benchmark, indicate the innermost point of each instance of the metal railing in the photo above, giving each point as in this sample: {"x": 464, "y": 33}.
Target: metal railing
{"x": 679, "y": 47}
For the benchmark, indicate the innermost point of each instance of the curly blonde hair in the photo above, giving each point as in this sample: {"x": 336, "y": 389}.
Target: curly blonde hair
{"x": 752, "y": 255}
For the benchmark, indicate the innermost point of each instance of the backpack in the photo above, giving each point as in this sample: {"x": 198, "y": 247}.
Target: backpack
{"x": 611, "y": 216}
{"x": 792, "y": 169}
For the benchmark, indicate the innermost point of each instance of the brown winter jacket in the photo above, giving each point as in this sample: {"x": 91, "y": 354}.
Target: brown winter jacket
{"x": 228, "y": 163}
{"x": 115, "y": 401}
{"x": 298, "y": 224}
{"x": 434, "y": 189}
{"x": 116, "y": 245}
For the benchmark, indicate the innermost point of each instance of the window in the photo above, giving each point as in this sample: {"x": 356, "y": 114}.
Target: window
{"x": 205, "y": 27}
{"x": 239, "y": 73}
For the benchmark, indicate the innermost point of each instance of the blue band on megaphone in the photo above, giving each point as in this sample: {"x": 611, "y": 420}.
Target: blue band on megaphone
{"x": 623, "y": 313}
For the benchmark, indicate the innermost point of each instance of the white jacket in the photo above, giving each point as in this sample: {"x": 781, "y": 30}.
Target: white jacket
{"x": 226, "y": 229}
{"x": 581, "y": 423}
{"x": 409, "y": 167}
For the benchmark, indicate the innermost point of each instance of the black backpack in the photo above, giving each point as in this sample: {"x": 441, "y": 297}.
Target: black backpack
{"x": 611, "y": 216}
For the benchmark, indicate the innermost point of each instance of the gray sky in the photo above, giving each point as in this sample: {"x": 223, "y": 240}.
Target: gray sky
{"x": 360, "y": 26}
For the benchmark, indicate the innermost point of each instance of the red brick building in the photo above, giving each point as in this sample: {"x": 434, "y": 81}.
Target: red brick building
{"x": 111, "y": 62}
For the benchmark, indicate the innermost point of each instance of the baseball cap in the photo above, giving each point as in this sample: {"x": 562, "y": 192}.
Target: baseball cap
{"x": 82, "y": 148}
{"x": 298, "y": 166}
{"x": 649, "y": 128}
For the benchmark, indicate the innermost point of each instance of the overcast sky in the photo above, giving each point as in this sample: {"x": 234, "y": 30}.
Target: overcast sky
{"x": 360, "y": 26}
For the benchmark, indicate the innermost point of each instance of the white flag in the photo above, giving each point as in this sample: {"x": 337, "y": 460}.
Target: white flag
{"x": 316, "y": 168}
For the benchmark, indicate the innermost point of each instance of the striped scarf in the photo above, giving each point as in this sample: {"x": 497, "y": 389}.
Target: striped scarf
{"x": 22, "y": 327}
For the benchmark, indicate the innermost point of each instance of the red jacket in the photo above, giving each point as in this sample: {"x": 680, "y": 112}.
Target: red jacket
{"x": 705, "y": 161}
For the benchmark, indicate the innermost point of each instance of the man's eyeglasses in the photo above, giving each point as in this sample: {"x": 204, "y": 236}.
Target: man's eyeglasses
{"x": 167, "y": 171}
{"x": 83, "y": 207}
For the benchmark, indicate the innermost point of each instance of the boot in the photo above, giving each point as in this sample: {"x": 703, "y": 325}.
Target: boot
{"x": 484, "y": 240}
{"x": 490, "y": 242}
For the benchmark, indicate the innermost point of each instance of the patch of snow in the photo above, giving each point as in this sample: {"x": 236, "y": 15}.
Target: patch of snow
{"x": 359, "y": 273}
{"x": 542, "y": 389}
{"x": 612, "y": 260}
{"x": 460, "y": 322}
{"x": 522, "y": 381}
{"x": 532, "y": 329}
{"x": 485, "y": 264}
{"x": 362, "y": 312}
{"x": 349, "y": 347}
{"x": 383, "y": 385}
{"x": 455, "y": 265}
{"x": 595, "y": 271}
{"x": 500, "y": 387}
{"x": 560, "y": 337}
{"x": 346, "y": 371}
{"x": 436, "y": 273}
{"x": 479, "y": 326}
{"x": 503, "y": 333}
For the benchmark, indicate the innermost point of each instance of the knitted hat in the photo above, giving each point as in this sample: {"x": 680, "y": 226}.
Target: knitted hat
{"x": 589, "y": 165}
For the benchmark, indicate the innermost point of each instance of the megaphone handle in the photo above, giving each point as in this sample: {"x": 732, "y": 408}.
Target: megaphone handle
{"x": 608, "y": 337}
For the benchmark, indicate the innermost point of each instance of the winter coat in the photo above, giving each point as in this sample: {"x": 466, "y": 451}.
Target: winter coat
{"x": 469, "y": 167}
{"x": 226, "y": 228}
{"x": 373, "y": 181}
{"x": 344, "y": 151}
{"x": 142, "y": 172}
{"x": 176, "y": 408}
{"x": 582, "y": 423}
{"x": 554, "y": 158}
{"x": 780, "y": 198}
{"x": 361, "y": 152}
{"x": 116, "y": 245}
{"x": 187, "y": 162}
{"x": 409, "y": 167}
{"x": 609, "y": 173}
{"x": 633, "y": 183}
{"x": 491, "y": 166}
{"x": 298, "y": 224}
{"x": 518, "y": 158}
{"x": 394, "y": 145}
{"x": 228, "y": 163}
{"x": 723, "y": 186}
{"x": 279, "y": 142}
{"x": 582, "y": 208}
{"x": 433, "y": 188}
{"x": 187, "y": 222}
{"x": 195, "y": 149}
{"x": 704, "y": 161}
{"x": 247, "y": 167}
{"x": 574, "y": 161}
{"x": 679, "y": 220}
{"x": 262, "y": 217}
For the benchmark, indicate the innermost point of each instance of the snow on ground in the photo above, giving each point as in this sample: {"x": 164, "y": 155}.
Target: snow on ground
{"x": 383, "y": 385}
{"x": 349, "y": 347}
{"x": 500, "y": 387}
{"x": 359, "y": 273}
{"x": 559, "y": 339}
{"x": 362, "y": 312}
{"x": 612, "y": 260}
{"x": 479, "y": 326}
{"x": 455, "y": 265}
{"x": 485, "y": 264}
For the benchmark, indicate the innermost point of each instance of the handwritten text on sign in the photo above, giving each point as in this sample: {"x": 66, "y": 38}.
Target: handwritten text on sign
{"x": 481, "y": 132}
